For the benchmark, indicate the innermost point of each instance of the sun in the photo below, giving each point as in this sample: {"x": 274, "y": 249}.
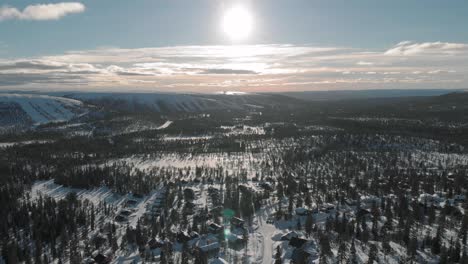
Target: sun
{"x": 237, "y": 23}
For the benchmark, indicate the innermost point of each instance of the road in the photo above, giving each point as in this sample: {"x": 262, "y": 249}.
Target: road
{"x": 263, "y": 235}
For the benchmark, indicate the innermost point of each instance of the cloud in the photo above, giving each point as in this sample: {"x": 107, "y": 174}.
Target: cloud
{"x": 246, "y": 68}
{"x": 31, "y": 64}
{"x": 410, "y": 48}
{"x": 226, "y": 71}
{"x": 364, "y": 63}
{"x": 28, "y": 79}
{"x": 41, "y": 11}
{"x": 129, "y": 72}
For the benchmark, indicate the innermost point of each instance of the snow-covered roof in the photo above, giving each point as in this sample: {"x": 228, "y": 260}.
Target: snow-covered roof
{"x": 218, "y": 261}
{"x": 210, "y": 247}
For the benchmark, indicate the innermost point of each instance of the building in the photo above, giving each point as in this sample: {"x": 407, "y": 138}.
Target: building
{"x": 237, "y": 222}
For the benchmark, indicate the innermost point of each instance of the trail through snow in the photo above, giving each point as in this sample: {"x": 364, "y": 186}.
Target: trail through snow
{"x": 165, "y": 125}
{"x": 264, "y": 233}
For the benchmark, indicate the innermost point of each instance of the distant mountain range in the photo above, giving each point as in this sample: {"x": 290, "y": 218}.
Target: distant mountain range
{"x": 365, "y": 94}
{"x": 25, "y": 110}
{"x": 172, "y": 102}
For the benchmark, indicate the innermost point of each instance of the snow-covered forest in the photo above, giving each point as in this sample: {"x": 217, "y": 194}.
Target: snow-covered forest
{"x": 311, "y": 183}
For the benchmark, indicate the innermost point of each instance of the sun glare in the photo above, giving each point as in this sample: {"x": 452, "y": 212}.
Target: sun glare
{"x": 237, "y": 23}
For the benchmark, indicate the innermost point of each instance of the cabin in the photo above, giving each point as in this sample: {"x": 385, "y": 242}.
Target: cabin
{"x": 236, "y": 239}
{"x": 327, "y": 208}
{"x": 126, "y": 212}
{"x": 154, "y": 244}
{"x": 183, "y": 237}
{"x": 210, "y": 248}
{"x": 215, "y": 228}
{"x": 218, "y": 260}
{"x": 120, "y": 218}
{"x": 266, "y": 186}
{"x": 101, "y": 259}
{"x": 194, "y": 235}
{"x": 430, "y": 200}
{"x": 363, "y": 213}
{"x": 131, "y": 203}
{"x": 350, "y": 202}
{"x": 459, "y": 198}
{"x": 301, "y": 211}
{"x": 299, "y": 256}
{"x": 289, "y": 235}
{"x": 369, "y": 200}
{"x": 237, "y": 222}
{"x": 297, "y": 242}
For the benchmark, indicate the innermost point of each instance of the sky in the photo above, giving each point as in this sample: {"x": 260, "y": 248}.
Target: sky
{"x": 181, "y": 45}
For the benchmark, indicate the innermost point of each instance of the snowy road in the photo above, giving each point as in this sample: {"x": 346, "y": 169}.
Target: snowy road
{"x": 264, "y": 233}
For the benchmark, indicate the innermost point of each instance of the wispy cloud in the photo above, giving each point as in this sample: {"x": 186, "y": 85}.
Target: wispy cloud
{"x": 441, "y": 48}
{"x": 41, "y": 11}
{"x": 247, "y": 68}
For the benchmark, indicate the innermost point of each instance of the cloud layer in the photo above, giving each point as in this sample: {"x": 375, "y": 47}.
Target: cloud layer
{"x": 41, "y": 11}
{"x": 245, "y": 68}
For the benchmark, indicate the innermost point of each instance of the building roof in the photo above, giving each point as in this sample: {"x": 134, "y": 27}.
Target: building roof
{"x": 297, "y": 242}
{"x": 218, "y": 261}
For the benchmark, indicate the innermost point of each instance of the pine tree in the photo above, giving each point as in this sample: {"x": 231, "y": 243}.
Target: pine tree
{"x": 309, "y": 224}
{"x": 443, "y": 256}
{"x": 436, "y": 242}
{"x": 278, "y": 255}
{"x": 455, "y": 254}
{"x": 372, "y": 254}
{"x": 342, "y": 253}
{"x": 464, "y": 257}
{"x": 325, "y": 247}
{"x": 162, "y": 258}
{"x": 12, "y": 253}
{"x": 353, "y": 258}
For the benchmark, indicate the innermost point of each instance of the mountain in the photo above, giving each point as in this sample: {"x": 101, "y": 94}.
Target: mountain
{"x": 33, "y": 109}
{"x": 449, "y": 107}
{"x": 170, "y": 103}
{"x": 365, "y": 94}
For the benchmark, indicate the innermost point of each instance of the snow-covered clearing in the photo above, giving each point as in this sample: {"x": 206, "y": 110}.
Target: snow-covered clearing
{"x": 11, "y": 144}
{"x": 56, "y": 191}
{"x": 230, "y": 162}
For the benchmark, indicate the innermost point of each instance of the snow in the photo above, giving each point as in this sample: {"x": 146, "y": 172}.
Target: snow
{"x": 187, "y": 138}
{"x": 176, "y": 102}
{"x": 218, "y": 261}
{"x": 165, "y": 125}
{"x": 11, "y": 144}
{"x": 96, "y": 195}
{"x": 243, "y": 130}
{"x": 44, "y": 108}
{"x": 265, "y": 235}
{"x": 230, "y": 162}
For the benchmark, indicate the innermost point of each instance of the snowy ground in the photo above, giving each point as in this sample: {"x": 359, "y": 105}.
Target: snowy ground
{"x": 10, "y": 144}
{"x": 96, "y": 195}
{"x": 43, "y": 108}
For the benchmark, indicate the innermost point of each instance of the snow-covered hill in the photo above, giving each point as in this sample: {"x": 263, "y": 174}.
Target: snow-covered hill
{"x": 167, "y": 102}
{"x": 32, "y": 109}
